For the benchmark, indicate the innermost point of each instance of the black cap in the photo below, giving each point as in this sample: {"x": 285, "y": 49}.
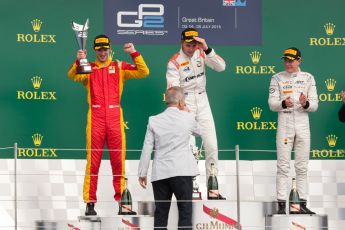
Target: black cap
{"x": 188, "y": 34}
{"x": 292, "y": 53}
{"x": 101, "y": 41}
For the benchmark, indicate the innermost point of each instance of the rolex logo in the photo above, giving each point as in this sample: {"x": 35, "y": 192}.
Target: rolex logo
{"x": 36, "y": 94}
{"x": 327, "y": 40}
{"x": 36, "y": 25}
{"x": 36, "y": 82}
{"x": 329, "y": 153}
{"x": 329, "y": 28}
{"x": 332, "y": 140}
{"x": 36, "y": 37}
{"x": 256, "y": 125}
{"x": 37, "y": 152}
{"x": 330, "y": 84}
{"x": 256, "y": 112}
{"x": 255, "y": 56}
{"x": 37, "y": 139}
{"x": 328, "y": 96}
{"x": 254, "y": 69}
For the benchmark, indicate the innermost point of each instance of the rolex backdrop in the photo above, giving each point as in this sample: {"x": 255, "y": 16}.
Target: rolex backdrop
{"x": 45, "y": 112}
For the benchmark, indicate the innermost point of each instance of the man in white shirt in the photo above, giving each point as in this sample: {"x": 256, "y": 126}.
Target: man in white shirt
{"x": 174, "y": 165}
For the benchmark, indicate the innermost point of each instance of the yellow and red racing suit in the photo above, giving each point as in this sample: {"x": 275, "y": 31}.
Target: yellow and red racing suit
{"x": 104, "y": 87}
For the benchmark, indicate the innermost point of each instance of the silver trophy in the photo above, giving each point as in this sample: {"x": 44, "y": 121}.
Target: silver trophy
{"x": 81, "y": 36}
{"x": 197, "y": 154}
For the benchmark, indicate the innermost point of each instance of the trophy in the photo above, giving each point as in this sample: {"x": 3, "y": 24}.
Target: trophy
{"x": 197, "y": 154}
{"x": 81, "y": 36}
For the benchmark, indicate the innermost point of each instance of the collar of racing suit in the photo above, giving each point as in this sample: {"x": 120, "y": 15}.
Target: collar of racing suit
{"x": 186, "y": 56}
{"x": 294, "y": 74}
{"x": 101, "y": 65}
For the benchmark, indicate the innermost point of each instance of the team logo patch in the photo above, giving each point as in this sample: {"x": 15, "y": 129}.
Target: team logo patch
{"x": 186, "y": 69}
{"x": 111, "y": 69}
{"x": 185, "y": 63}
{"x": 198, "y": 63}
{"x": 299, "y": 82}
{"x": 287, "y": 91}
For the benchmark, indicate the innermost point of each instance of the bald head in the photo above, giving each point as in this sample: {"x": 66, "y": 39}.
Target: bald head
{"x": 174, "y": 96}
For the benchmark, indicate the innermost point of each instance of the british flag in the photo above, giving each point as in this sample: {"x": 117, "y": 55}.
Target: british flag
{"x": 228, "y": 2}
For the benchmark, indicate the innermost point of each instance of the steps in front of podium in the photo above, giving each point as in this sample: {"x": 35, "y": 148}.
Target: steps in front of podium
{"x": 255, "y": 215}
{"x": 217, "y": 214}
{"x": 297, "y": 222}
{"x": 214, "y": 214}
{"x": 220, "y": 214}
{"x": 116, "y": 222}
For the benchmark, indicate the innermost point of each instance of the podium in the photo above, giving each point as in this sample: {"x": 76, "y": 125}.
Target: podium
{"x": 90, "y": 222}
{"x": 212, "y": 214}
{"x": 116, "y": 222}
{"x": 296, "y": 222}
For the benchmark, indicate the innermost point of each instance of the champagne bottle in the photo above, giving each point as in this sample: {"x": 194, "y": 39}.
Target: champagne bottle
{"x": 126, "y": 200}
{"x": 212, "y": 185}
{"x": 294, "y": 200}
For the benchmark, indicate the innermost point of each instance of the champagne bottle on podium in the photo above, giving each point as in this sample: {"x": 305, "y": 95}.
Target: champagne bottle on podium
{"x": 212, "y": 185}
{"x": 294, "y": 200}
{"x": 126, "y": 201}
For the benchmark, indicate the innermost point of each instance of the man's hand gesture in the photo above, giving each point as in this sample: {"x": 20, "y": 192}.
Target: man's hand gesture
{"x": 289, "y": 102}
{"x": 201, "y": 42}
{"x": 303, "y": 99}
{"x": 129, "y": 48}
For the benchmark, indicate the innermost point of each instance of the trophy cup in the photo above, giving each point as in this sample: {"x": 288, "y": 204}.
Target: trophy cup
{"x": 197, "y": 154}
{"x": 81, "y": 36}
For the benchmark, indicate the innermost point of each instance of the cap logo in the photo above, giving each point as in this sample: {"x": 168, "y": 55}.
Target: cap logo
{"x": 102, "y": 40}
{"x": 291, "y": 51}
{"x": 191, "y": 33}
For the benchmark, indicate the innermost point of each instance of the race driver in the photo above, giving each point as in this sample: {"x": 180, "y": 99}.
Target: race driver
{"x": 293, "y": 95}
{"x": 187, "y": 70}
{"x": 104, "y": 87}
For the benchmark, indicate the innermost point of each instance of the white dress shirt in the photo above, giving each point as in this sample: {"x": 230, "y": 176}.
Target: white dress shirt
{"x": 168, "y": 134}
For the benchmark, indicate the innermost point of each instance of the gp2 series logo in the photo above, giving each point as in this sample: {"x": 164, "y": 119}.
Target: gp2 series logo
{"x": 147, "y": 16}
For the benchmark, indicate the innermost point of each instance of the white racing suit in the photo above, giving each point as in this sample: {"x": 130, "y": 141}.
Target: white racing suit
{"x": 293, "y": 127}
{"x": 189, "y": 73}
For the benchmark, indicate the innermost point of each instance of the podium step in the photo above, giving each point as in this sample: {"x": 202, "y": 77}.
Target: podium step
{"x": 296, "y": 222}
{"x": 207, "y": 214}
{"x": 116, "y": 222}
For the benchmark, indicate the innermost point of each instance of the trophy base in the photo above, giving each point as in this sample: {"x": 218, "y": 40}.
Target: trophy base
{"x": 84, "y": 69}
{"x": 196, "y": 196}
